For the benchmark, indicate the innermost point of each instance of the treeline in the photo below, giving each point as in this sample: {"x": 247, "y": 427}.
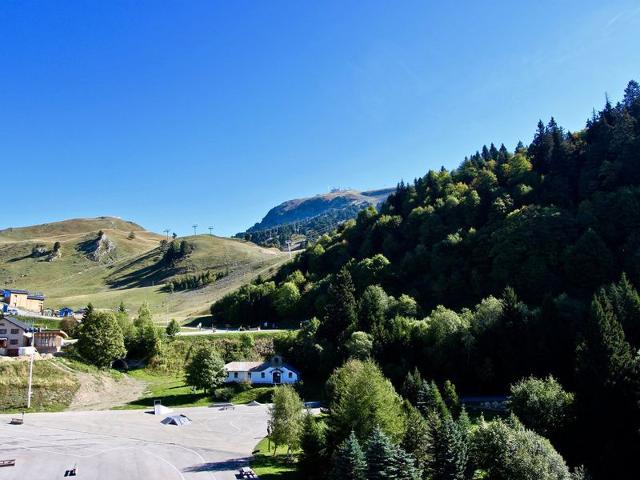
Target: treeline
{"x": 175, "y": 250}
{"x": 311, "y": 228}
{"x": 191, "y": 282}
{"x": 372, "y": 431}
{"x": 488, "y": 274}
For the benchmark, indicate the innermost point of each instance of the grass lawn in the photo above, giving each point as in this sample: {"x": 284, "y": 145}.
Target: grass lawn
{"x": 174, "y": 392}
{"x": 273, "y": 467}
{"x": 170, "y": 389}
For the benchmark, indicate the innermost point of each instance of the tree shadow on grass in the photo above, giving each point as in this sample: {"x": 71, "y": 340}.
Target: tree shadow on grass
{"x": 283, "y": 468}
{"x": 233, "y": 464}
{"x": 170, "y": 400}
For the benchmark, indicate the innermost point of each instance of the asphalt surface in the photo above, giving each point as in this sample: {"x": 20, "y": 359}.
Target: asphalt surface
{"x": 133, "y": 444}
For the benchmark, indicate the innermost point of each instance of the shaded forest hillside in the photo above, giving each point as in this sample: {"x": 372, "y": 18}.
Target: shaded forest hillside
{"x": 517, "y": 263}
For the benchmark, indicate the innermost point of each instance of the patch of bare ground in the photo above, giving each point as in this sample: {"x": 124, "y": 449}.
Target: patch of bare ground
{"x": 103, "y": 391}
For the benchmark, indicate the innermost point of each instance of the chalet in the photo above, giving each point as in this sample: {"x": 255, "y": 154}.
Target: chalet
{"x": 18, "y": 338}
{"x": 271, "y": 372}
{"x": 24, "y": 300}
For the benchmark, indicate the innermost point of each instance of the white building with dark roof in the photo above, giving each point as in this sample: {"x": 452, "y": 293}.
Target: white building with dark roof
{"x": 271, "y": 372}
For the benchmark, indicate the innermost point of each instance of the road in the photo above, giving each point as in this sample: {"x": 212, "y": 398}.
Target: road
{"x": 108, "y": 445}
{"x": 207, "y": 331}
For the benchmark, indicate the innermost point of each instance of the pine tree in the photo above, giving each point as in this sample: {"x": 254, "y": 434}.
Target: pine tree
{"x": 411, "y": 385}
{"x": 608, "y": 392}
{"x": 341, "y": 310}
{"x": 430, "y": 400}
{"x": 350, "y": 460}
{"x": 416, "y": 438}
{"x": 450, "y": 397}
{"x": 604, "y": 354}
{"x": 312, "y": 462}
{"x": 381, "y": 457}
{"x": 626, "y": 304}
{"x": 449, "y": 448}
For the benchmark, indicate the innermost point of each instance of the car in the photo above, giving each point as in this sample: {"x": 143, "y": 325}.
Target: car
{"x": 12, "y": 311}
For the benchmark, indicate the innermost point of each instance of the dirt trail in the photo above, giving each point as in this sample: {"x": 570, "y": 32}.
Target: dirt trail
{"x": 101, "y": 391}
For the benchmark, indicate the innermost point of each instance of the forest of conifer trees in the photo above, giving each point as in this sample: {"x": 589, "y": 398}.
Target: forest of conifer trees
{"x": 515, "y": 272}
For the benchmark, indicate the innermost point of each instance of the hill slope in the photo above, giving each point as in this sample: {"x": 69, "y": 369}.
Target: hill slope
{"x": 124, "y": 266}
{"x": 308, "y": 218}
{"x": 486, "y": 275}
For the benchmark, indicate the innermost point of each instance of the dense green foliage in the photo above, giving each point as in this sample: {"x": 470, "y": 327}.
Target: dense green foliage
{"x": 172, "y": 330}
{"x": 509, "y": 266}
{"x": 191, "y": 282}
{"x": 542, "y": 405}
{"x": 100, "y": 340}
{"x": 286, "y": 418}
{"x": 175, "y": 250}
{"x": 507, "y": 451}
{"x": 362, "y": 400}
{"x": 205, "y": 370}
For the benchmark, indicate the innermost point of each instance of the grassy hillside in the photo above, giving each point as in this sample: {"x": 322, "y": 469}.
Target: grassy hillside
{"x": 53, "y": 388}
{"x": 132, "y": 272}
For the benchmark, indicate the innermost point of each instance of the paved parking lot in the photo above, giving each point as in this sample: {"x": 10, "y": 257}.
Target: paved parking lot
{"x": 122, "y": 445}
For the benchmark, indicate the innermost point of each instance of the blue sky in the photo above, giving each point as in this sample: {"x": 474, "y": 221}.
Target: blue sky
{"x": 172, "y": 113}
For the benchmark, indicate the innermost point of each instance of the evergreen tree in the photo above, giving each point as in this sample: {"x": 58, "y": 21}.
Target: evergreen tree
{"x": 626, "y": 304}
{"x": 412, "y": 384}
{"x": 147, "y": 340}
{"x": 381, "y": 457}
{"x": 448, "y": 457}
{"x": 312, "y": 463}
{"x": 416, "y": 437}
{"x": 349, "y": 460}
{"x": 340, "y": 317}
{"x": 604, "y": 356}
{"x": 430, "y": 400}
{"x": 608, "y": 392}
{"x": 173, "y": 328}
{"x": 450, "y": 397}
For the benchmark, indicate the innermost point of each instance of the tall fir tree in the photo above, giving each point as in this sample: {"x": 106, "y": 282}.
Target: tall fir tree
{"x": 341, "y": 310}
{"x": 312, "y": 463}
{"x": 448, "y": 452}
{"x": 430, "y": 400}
{"x": 350, "y": 460}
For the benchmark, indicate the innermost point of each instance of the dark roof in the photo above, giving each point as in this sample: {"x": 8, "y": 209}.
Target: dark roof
{"x": 35, "y": 297}
{"x": 266, "y": 365}
{"x": 257, "y": 366}
{"x": 19, "y": 324}
{"x": 13, "y": 290}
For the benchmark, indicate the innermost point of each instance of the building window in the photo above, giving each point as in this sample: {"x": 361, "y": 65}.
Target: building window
{"x": 262, "y": 375}
{"x": 235, "y": 374}
{"x": 13, "y": 342}
{"x": 14, "y": 331}
{"x": 3, "y": 331}
{"x": 290, "y": 374}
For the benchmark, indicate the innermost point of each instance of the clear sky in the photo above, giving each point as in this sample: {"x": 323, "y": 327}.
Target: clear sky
{"x": 170, "y": 113}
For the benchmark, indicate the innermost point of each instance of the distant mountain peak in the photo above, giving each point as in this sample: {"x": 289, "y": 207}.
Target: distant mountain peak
{"x": 308, "y": 217}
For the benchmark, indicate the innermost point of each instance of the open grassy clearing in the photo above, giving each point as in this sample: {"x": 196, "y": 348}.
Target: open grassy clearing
{"x": 273, "y": 467}
{"x": 172, "y": 391}
{"x": 132, "y": 273}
